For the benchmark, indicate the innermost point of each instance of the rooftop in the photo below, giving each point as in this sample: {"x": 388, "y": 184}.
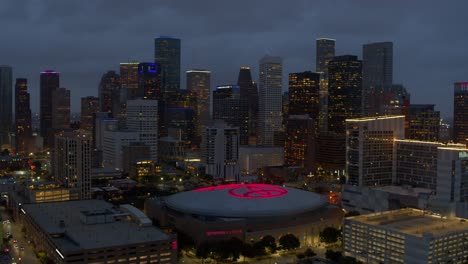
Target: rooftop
{"x": 89, "y": 224}
{"x": 414, "y": 222}
{"x": 404, "y": 190}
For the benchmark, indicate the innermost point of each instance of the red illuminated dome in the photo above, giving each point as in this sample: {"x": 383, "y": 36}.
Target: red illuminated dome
{"x": 245, "y": 200}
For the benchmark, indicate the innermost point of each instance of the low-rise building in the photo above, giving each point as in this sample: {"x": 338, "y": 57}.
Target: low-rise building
{"x": 408, "y": 236}
{"x": 94, "y": 231}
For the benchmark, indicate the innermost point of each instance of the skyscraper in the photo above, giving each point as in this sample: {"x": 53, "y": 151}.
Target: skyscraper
{"x": 220, "y": 151}
{"x": 6, "y": 104}
{"x": 60, "y": 109}
{"x": 248, "y": 90}
{"x": 89, "y": 107}
{"x": 198, "y": 82}
{"x": 23, "y": 131}
{"x": 377, "y": 75}
{"x": 50, "y": 81}
{"x": 325, "y": 51}
{"x": 149, "y": 83}
{"x": 72, "y": 161}
{"x": 229, "y": 106}
{"x": 324, "y": 54}
{"x": 142, "y": 117}
{"x": 129, "y": 79}
{"x": 299, "y": 149}
{"x": 460, "y": 113}
{"x": 344, "y": 91}
{"x": 424, "y": 122}
{"x": 304, "y": 94}
{"x": 167, "y": 53}
{"x": 270, "y": 95}
{"x": 109, "y": 91}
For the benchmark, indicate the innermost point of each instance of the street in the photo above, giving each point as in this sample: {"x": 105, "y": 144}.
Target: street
{"x": 18, "y": 254}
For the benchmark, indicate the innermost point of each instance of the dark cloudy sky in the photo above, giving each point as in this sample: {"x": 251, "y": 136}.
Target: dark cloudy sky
{"x": 84, "y": 39}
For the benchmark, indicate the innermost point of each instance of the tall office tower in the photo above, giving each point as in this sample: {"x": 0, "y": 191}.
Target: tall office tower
{"x": 23, "y": 130}
{"x": 109, "y": 91}
{"x": 377, "y": 75}
{"x": 60, "y": 109}
{"x": 270, "y": 95}
{"x": 370, "y": 151}
{"x": 229, "y": 106}
{"x": 72, "y": 161}
{"x": 397, "y": 101}
{"x": 149, "y": 83}
{"x": 424, "y": 122}
{"x": 181, "y": 124}
{"x": 344, "y": 91}
{"x": 220, "y": 151}
{"x": 248, "y": 89}
{"x": 6, "y": 104}
{"x": 142, "y": 117}
{"x": 460, "y": 113}
{"x": 304, "y": 98}
{"x": 299, "y": 149}
{"x": 325, "y": 52}
{"x": 50, "y": 81}
{"x": 129, "y": 79}
{"x": 89, "y": 108}
{"x": 167, "y": 53}
{"x": 199, "y": 82}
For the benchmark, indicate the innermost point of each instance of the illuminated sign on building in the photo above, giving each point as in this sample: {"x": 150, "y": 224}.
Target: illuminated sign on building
{"x": 253, "y": 191}
{"x": 224, "y": 232}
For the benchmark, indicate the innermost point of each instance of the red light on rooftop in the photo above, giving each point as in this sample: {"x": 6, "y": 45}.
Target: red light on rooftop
{"x": 251, "y": 191}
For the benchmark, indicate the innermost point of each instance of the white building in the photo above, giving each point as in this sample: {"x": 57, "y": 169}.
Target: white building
{"x": 270, "y": 99}
{"x": 103, "y": 123}
{"x": 408, "y": 236}
{"x": 72, "y": 161}
{"x": 142, "y": 117}
{"x": 253, "y": 158}
{"x": 113, "y": 143}
{"x": 370, "y": 151}
{"x": 220, "y": 151}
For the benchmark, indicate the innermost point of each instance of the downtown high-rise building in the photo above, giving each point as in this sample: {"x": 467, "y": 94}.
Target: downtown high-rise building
{"x": 299, "y": 148}
{"x": 149, "y": 81}
{"x": 50, "y": 82}
{"x": 424, "y": 123}
{"x": 199, "y": 83}
{"x": 142, "y": 118}
{"x": 109, "y": 91}
{"x": 6, "y": 104}
{"x": 89, "y": 108}
{"x": 304, "y": 94}
{"x": 248, "y": 90}
{"x": 232, "y": 108}
{"x": 23, "y": 130}
{"x": 72, "y": 161}
{"x": 270, "y": 100}
{"x": 460, "y": 113}
{"x": 61, "y": 109}
{"x": 344, "y": 91}
{"x": 129, "y": 79}
{"x": 167, "y": 53}
{"x": 377, "y": 75}
{"x": 325, "y": 52}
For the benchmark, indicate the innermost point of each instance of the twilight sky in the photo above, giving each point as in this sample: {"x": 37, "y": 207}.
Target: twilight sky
{"x": 84, "y": 39}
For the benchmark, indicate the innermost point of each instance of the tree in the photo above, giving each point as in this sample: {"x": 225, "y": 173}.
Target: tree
{"x": 248, "y": 250}
{"x": 289, "y": 241}
{"x": 333, "y": 255}
{"x": 329, "y": 235}
{"x": 349, "y": 260}
{"x": 268, "y": 242}
{"x": 309, "y": 253}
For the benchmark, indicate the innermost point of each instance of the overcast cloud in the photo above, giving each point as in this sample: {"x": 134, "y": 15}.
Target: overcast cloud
{"x": 84, "y": 39}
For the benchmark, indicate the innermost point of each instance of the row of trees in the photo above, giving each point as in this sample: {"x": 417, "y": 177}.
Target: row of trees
{"x": 233, "y": 248}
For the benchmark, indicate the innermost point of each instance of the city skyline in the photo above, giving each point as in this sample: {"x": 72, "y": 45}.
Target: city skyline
{"x": 428, "y": 72}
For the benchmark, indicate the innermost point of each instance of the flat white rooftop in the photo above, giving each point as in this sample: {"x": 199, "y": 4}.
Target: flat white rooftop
{"x": 414, "y": 222}
{"x": 63, "y": 221}
{"x": 401, "y": 190}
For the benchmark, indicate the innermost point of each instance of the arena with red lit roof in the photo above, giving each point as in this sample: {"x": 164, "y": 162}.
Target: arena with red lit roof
{"x": 245, "y": 211}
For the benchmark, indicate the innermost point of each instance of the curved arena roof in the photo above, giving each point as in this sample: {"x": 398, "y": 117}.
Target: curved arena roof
{"x": 245, "y": 200}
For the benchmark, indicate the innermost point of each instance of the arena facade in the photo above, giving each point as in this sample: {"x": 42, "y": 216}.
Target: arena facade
{"x": 245, "y": 211}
